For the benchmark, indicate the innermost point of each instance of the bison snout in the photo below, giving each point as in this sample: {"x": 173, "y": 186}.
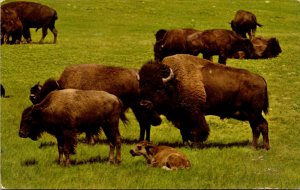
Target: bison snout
{"x": 132, "y": 153}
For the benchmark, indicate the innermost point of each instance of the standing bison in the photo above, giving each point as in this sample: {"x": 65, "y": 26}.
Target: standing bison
{"x": 185, "y": 88}
{"x": 34, "y": 15}
{"x": 171, "y": 42}
{"x": 66, "y": 113}
{"x": 11, "y": 26}
{"x": 121, "y": 82}
{"x": 244, "y": 22}
{"x": 223, "y": 43}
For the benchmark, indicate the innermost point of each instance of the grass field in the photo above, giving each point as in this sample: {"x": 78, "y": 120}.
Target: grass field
{"x": 121, "y": 33}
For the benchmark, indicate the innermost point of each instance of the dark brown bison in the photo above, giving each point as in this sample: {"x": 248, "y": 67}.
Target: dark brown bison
{"x": 185, "y": 88}
{"x": 164, "y": 157}
{"x": 65, "y": 113}
{"x": 264, "y": 48}
{"x": 34, "y": 15}
{"x": 121, "y": 82}
{"x": 244, "y": 22}
{"x": 11, "y": 26}
{"x": 170, "y": 42}
{"x": 2, "y": 92}
{"x": 223, "y": 43}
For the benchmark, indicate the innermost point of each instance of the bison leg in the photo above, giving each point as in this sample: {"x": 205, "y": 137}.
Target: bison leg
{"x": 145, "y": 127}
{"x": 118, "y": 146}
{"x": 54, "y": 31}
{"x": 60, "y": 145}
{"x": 207, "y": 56}
{"x": 222, "y": 59}
{"x": 112, "y": 142}
{"x": 26, "y": 34}
{"x": 260, "y": 125}
{"x": 44, "y": 30}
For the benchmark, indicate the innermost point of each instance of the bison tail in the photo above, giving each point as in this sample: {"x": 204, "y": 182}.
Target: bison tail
{"x": 260, "y": 25}
{"x": 122, "y": 114}
{"x": 266, "y": 102}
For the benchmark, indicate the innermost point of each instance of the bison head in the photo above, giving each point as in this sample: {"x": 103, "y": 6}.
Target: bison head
{"x": 35, "y": 93}
{"x": 30, "y": 125}
{"x": 272, "y": 49}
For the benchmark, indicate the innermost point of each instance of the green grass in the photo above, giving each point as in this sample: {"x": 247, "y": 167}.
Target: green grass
{"x": 121, "y": 33}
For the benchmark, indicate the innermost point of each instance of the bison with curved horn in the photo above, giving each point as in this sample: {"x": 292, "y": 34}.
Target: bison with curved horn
{"x": 121, "y": 82}
{"x": 185, "y": 88}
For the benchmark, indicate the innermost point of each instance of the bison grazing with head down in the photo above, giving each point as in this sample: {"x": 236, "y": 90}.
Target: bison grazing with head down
{"x": 171, "y": 42}
{"x": 34, "y": 15}
{"x": 11, "y": 26}
{"x": 65, "y": 113}
{"x": 244, "y": 22}
{"x": 121, "y": 82}
{"x": 223, "y": 43}
{"x": 185, "y": 88}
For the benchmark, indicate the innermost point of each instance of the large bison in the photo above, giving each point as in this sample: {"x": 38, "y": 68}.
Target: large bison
{"x": 185, "y": 88}
{"x": 171, "y": 42}
{"x": 65, "y": 113}
{"x": 11, "y": 26}
{"x": 244, "y": 22}
{"x": 121, "y": 82}
{"x": 34, "y": 15}
{"x": 221, "y": 42}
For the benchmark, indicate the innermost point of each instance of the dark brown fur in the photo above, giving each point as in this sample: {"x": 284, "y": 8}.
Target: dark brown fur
{"x": 223, "y": 43}
{"x": 244, "y": 22}
{"x": 121, "y": 82}
{"x": 170, "y": 42}
{"x": 161, "y": 156}
{"x": 11, "y": 26}
{"x": 34, "y": 15}
{"x": 66, "y": 113}
{"x": 185, "y": 88}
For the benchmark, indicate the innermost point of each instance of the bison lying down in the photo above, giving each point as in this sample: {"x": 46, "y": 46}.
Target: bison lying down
{"x": 161, "y": 156}
{"x": 66, "y": 113}
{"x": 185, "y": 88}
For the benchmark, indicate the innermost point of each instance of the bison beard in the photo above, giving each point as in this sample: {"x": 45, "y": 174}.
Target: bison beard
{"x": 185, "y": 88}
{"x": 66, "y": 113}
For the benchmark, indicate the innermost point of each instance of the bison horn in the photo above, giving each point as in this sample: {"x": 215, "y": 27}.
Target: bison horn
{"x": 171, "y": 76}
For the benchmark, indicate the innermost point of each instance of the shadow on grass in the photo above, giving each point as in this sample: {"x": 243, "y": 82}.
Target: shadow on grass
{"x": 91, "y": 160}
{"x": 219, "y": 145}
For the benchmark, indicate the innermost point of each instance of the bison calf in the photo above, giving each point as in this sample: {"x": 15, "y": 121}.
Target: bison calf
{"x": 66, "y": 113}
{"x": 161, "y": 156}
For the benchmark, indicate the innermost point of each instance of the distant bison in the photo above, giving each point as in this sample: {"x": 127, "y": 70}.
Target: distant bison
{"x": 34, "y": 15}
{"x": 2, "y": 91}
{"x": 170, "y": 42}
{"x": 121, "y": 82}
{"x": 264, "y": 48}
{"x": 244, "y": 22}
{"x": 65, "y": 113}
{"x": 223, "y": 43}
{"x": 161, "y": 156}
{"x": 11, "y": 26}
{"x": 185, "y": 88}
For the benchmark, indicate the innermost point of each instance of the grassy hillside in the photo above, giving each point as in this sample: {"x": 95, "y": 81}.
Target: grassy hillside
{"x": 121, "y": 33}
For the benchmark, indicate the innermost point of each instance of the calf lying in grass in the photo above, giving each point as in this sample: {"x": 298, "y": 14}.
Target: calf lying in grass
{"x": 161, "y": 156}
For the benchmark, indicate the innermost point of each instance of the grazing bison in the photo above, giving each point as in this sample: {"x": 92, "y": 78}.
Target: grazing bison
{"x": 65, "y": 113}
{"x": 11, "y": 26}
{"x": 165, "y": 157}
{"x": 185, "y": 88}
{"x": 170, "y": 42}
{"x": 121, "y": 82}
{"x": 244, "y": 22}
{"x": 34, "y": 15}
{"x": 223, "y": 43}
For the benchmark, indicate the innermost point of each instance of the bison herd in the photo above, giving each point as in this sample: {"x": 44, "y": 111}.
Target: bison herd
{"x": 178, "y": 84}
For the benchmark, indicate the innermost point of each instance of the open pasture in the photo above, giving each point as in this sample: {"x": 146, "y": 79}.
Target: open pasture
{"x": 121, "y": 33}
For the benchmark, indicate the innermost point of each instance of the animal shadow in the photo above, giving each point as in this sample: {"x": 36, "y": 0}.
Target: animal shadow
{"x": 91, "y": 160}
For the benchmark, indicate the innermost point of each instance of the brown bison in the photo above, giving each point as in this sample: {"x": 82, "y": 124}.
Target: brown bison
{"x": 121, "y": 82}
{"x": 2, "y": 91}
{"x": 185, "y": 88}
{"x": 34, "y": 15}
{"x": 65, "y": 113}
{"x": 244, "y": 22}
{"x": 11, "y": 26}
{"x": 165, "y": 157}
{"x": 170, "y": 42}
{"x": 223, "y": 43}
{"x": 264, "y": 48}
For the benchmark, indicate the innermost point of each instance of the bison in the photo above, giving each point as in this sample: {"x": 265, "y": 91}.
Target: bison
{"x": 244, "y": 22}
{"x": 170, "y": 42}
{"x": 221, "y": 42}
{"x": 11, "y": 26}
{"x": 65, "y": 113}
{"x": 121, "y": 82}
{"x": 2, "y": 92}
{"x": 185, "y": 88}
{"x": 165, "y": 157}
{"x": 34, "y": 15}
